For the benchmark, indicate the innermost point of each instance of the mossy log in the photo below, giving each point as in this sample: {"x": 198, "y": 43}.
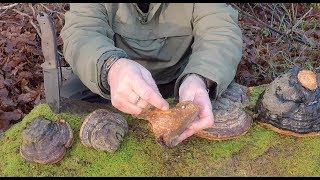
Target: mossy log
{"x": 259, "y": 152}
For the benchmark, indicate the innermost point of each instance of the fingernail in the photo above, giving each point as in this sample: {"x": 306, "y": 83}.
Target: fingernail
{"x": 165, "y": 107}
{"x": 175, "y": 143}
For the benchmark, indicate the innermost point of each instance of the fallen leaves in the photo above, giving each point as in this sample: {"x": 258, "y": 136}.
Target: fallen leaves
{"x": 21, "y": 78}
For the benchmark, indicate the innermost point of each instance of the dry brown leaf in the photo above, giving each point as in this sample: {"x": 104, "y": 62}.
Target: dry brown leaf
{"x": 27, "y": 97}
{"x": 1, "y": 81}
{"x": 11, "y": 116}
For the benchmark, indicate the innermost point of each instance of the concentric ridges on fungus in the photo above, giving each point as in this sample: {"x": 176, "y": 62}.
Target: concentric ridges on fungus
{"x": 103, "y": 130}
{"x": 45, "y": 141}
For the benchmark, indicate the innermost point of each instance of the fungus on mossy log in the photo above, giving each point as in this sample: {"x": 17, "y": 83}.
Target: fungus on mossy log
{"x": 103, "y": 130}
{"x": 230, "y": 118}
{"x": 44, "y": 141}
{"x": 291, "y": 104}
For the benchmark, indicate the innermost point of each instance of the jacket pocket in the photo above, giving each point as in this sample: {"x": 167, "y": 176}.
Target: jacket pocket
{"x": 157, "y": 42}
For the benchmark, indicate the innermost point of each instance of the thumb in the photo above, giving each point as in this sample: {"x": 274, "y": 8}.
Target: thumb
{"x": 143, "y": 89}
{"x": 186, "y": 93}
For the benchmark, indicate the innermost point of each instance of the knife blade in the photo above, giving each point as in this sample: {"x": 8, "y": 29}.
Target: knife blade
{"x": 51, "y": 66}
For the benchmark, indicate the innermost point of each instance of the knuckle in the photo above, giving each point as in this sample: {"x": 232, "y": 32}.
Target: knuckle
{"x": 146, "y": 94}
{"x": 127, "y": 78}
{"x": 143, "y": 104}
{"x": 120, "y": 106}
{"x": 138, "y": 111}
{"x": 115, "y": 101}
{"x": 122, "y": 88}
{"x": 115, "y": 98}
{"x": 204, "y": 92}
{"x": 210, "y": 123}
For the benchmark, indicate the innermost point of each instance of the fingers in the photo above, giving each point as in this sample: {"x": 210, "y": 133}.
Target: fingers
{"x": 186, "y": 96}
{"x": 204, "y": 102}
{"x": 142, "y": 103}
{"x": 127, "y": 102}
{"x": 205, "y": 118}
{"x": 147, "y": 93}
{"x": 148, "y": 78}
{"x": 133, "y": 97}
{"x": 194, "y": 127}
{"x": 125, "y": 106}
{"x": 132, "y": 88}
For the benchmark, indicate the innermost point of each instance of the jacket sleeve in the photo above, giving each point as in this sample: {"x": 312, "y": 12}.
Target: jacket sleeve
{"x": 217, "y": 46}
{"x": 88, "y": 42}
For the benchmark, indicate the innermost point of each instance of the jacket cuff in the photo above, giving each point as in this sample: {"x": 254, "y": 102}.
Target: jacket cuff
{"x": 102, "y": 72}
{"x": 213, "y": 90}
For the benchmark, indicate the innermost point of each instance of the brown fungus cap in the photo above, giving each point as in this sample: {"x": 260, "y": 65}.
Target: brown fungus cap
{"x": 103, "y": 130}
{"x": 44, "y": 141}
{"x": 290, "y": 105}
{"x": 167, "y": 125}
{"x": 230, "y": 118}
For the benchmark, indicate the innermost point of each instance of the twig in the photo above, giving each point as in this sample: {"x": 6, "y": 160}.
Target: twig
{"x": 286, "y": 10}
{"x": 300, "y": 20}
{"x": 60, "y": 53}
{"x": 52, "y": 11}
{"x": 8, "y": 6}
{"x": 37, "y": 29}
{"x": 274, "y": 11}
{"x": 251, "y": 9}
{"x": 282, "y": 24}
{"x": 278, "y": 11}
{"x": 3, "y": 12}
{"x": 279, "y": 39}
{"x": 272, "y": 17}
{"x": 30, "y": 20}
{"x": 303, "y": 50}
{"x": 60, "y": 20}
{"x": 21, "y": 13}
{"x": 9, "y": 22}
{"x": 263, "y": 23}
{"x": 294, "y": 15}
{"x": 33, "y": 11}
{"x": 265, "y": 14}
{"x": 292, "y": 29}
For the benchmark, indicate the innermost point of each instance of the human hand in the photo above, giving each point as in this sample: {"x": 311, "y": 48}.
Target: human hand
{"x": 194, "y": 89}
{"x": 128, "y": 81}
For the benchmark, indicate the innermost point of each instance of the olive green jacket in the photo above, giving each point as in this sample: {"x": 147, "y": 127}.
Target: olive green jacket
{"x": 171, "y": 40}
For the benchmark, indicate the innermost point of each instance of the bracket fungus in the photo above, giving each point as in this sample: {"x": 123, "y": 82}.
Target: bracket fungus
{"x": 103, "y": 130}
{"x": 291, "y": 103}
{"x": 230, "y": 118}
{"x": 45, "y": 141}
{"x": 167, "y": 125}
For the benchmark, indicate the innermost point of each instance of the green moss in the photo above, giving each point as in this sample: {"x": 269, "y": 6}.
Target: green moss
{"x": 254, "y": 94}
{"x": 259, "y": 152}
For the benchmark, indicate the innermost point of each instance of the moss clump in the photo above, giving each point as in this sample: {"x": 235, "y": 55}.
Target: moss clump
{"x": 254, "y": 93}
{"x": 259, "y": 152}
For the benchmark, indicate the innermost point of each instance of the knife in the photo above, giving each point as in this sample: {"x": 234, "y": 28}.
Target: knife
{"x": 51, "y": 66}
